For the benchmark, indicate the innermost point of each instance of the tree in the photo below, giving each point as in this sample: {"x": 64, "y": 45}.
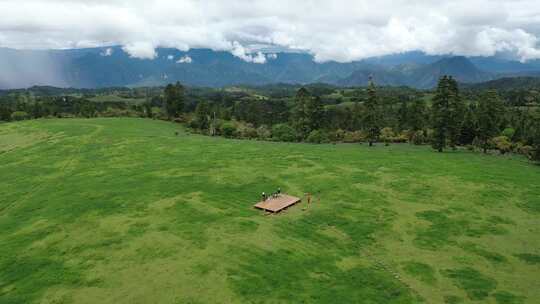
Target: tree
{"x": 147, "y": 106}
{"x": 403, "y": 116}
{"x": 315, "y": 113}
{"x": 317, "y": 137}
{"x": 469, "y": 127}
{"x": 372, "y": 118}
{"x": 202, "y": 115}
{"x": 503, "y": 144}
{"x": 356, "y": 117}
{"x": 299, "y": 117}
{"x": 536, "y": 139}
{"x": 174, "y": 100}
{"x": 417, "y": 115}
{"x": 387, "y": 135}
{"x": 5, "y": 112}
{"x": 489, "y": 114}
{"x": 19, "y": 115}
{"x": 228, "y": 129}
{"x": 283, "y": 132}
{"x": 441, "y": 114}
{"x": 88, "y": 109}
{"x": 307, "y": 113}
{"x": 37, "y": 110}
{"x": 456, "y": 112}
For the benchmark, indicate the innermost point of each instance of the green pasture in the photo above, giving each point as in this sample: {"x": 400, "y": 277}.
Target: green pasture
{"x": 125, "y": 210}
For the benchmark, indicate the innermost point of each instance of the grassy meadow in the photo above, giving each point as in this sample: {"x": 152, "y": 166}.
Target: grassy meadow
{"x": 123, "y": 210}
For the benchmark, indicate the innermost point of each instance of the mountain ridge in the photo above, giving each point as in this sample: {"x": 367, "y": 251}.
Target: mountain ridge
{"x": 111, "y": 66}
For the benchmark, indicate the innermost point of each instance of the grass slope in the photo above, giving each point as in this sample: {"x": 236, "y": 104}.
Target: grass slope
{"x": 124, "y": 211}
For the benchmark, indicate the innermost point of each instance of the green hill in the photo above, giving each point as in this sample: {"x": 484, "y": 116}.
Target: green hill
{"x": 125, "y": 211}
{"x": 509, "y": 83}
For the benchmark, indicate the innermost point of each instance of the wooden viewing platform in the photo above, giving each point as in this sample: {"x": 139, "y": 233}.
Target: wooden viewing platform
{"x": 277, "y": 204}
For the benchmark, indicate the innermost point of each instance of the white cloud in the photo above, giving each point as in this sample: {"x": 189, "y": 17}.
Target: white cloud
{"x": 106, "y": 52}
{"x": 185, "y": 59}
{"x": 170, "y": 57}
{"x": 341, "y": 30}
{"x": 141, "y": 49}
{"x": 246, "y": 54}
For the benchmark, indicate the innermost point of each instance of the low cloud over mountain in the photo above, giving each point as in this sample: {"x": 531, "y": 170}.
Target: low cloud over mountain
{"x": 113, "y": 66}
{"x": 340, "y": 30}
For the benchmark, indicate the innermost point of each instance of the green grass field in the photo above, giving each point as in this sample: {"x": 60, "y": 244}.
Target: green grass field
{"x": 125, "y": 211}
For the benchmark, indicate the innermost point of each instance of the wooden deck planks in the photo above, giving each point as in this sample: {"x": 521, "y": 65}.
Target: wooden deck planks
{"x": 277, "y": 204}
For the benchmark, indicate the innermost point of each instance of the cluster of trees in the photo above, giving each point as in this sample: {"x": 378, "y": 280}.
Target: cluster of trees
{"x": 444, "y": 118}
{"x": 486, "y": 123}
{"x": 23, "y": 106}
{"x": 448, "y": 120}
{"x": 173, "y": 100}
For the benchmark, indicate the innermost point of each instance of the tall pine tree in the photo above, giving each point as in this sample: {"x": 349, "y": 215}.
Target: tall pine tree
{"x": 441, "y": 114}
{"x": 536, "y": 137}
{"x": 299, "y": 117}
{"x": 202, "y": 115}
{"x": 315, "y": 113}
{"x": 456, "y": 113}
{"x": 489, "y": 114}
{"x": 403, "y": 116}
{"x": 307, "y": 113}
{"x": 469, "y": 126}
{"x": 372, "y": 118}
{"x": 174, "y": 100}
{"x": 417, "y": 115}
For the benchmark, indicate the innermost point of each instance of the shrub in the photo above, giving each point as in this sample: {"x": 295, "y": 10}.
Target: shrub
{"x": 535, "y": 154}
{"x": 408, "y": 134}
{"x": 403, "y": 137}
{"x": 387, "y": 135}
{"x": 19, "y": 115}
{"x": 228, "y": 129}
{"x": 418, "y": 138}
{"x": 317, "y": 137}
{"x": 477, "y": 142}
{"x": 283, "y": 132}
{"x": 524, "y": 149}
{"x": 263, "y": 132}
{"x": 509, "y": 133}
{"x": 193, "y": 123}
{"x": 246, "y": 131}
{"x": 502, "y": 143}
{"x": 428, "y": 135}
{"x": 354, "y": 137}
{"x": 336, "y": 136}
{"x": 115, "y": 112}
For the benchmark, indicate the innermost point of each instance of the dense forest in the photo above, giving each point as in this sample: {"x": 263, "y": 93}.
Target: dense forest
{"x": 450, "y": 116}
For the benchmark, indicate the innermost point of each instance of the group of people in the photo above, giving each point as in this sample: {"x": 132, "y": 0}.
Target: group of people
{"x": 276, "y": 194}
{"x": 273, "y": 195}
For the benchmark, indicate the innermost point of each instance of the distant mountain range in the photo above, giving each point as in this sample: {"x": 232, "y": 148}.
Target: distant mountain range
{"x": 507, "y": 83}
{"x": 108, "y": 67}
{"x": 421, "y": 75}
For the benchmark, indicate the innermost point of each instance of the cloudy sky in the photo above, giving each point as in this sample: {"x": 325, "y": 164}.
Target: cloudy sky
{"x": 341, "y": 30}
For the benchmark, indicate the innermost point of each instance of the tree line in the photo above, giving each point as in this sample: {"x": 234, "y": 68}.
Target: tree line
{"x": 444, "y": 118}
{"x": 448, "y": 121}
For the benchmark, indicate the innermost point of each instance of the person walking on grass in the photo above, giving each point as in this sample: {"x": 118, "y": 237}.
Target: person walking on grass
{"x": 308, "y": 200}
{"x": 263, "y": 196}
